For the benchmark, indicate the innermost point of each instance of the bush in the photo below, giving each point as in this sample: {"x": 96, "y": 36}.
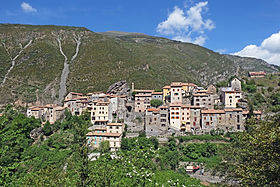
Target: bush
{"x": 270, "y": 89}
{"x": 47, "y": 129}
{"x": 156, "y": 102}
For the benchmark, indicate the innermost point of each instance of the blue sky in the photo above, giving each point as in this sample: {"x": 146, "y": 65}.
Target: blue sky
{"x": 242, "y": 27}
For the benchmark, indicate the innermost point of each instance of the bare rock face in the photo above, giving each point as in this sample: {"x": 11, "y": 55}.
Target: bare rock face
{"x": 119, "y": 88}
{"x": 35, "y": 133}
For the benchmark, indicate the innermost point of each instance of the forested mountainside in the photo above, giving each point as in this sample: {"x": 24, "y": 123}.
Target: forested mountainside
{"x": 43, "y": 63}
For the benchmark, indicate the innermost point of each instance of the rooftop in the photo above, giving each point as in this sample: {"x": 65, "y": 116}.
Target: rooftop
{"x": 115, "y": 124}
{"x": 104, "y": 134}
{"x": 212, "y": 111}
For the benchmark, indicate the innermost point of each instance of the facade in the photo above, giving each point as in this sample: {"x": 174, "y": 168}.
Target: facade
{"x": 235, "y": 84}
{"x": 166, "y": 92}
{"x": 73, "y": 95}
{"x": 99, "y": 113}
{"x": 49, "y": 112}
{"x": 227, "y": 120}
{"x": 95, "y": 138}
{"x": 176, "y": 92}
{"x": 112, "y": 133}
{"x": 195, "y": 119}
{"x": 175, "y": 115}
{"x": 205, "y": 100}
{"x": 157, "y": 95}
{"x": 231, "y": 98}
{"x": 142, "y": 102}
{"x": 156, "y": 121}
{"x": 186, "y": 118}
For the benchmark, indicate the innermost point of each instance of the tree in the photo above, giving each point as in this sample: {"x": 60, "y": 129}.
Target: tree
{"x": 254, "y": 156}
{"x": 156, "y": 102}
{"x": 47, "y": 129}
{"x": 104, "y": 147}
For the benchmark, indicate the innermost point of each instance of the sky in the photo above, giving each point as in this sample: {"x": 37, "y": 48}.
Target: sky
{"x": 241, "y": 27}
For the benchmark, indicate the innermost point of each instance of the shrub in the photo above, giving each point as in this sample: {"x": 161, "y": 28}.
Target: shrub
{"x": 156, "y": 102}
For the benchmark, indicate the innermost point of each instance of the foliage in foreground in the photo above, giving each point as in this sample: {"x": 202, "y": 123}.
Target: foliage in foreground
{"x": 254, "y": 157}
{"x": 60, "y": 158}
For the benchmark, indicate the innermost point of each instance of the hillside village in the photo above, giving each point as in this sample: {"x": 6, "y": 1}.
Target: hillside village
{"x": 176, "y": 109}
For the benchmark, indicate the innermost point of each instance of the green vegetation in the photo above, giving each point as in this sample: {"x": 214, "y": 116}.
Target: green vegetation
{"x": 102, "y": 60}
{"x": 253, "y": 158}
{"x": 59, "y": 157}
{"x": 205, "y": 137}
{"x": 156, "y": 103}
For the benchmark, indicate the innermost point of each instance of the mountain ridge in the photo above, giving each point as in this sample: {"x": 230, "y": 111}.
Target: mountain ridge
{"x": 101, "y": 60}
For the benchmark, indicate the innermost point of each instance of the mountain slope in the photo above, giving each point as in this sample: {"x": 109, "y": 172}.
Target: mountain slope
{"x": 32, "y": 61}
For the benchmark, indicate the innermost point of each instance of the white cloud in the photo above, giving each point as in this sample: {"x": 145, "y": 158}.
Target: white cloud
{"x": 269, "y": 50}
{"x": 27, "y": 7}
{"x": 188, "y": 26}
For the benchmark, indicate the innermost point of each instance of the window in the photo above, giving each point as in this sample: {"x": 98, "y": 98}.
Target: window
{"x": 172, "y": 117}
{"x": 194, "y": 118}
{"x": 177, "y": 117}
{"x": 238, "y": 127}
{"x": 183, "y": 118}
{"x": 211, "y": 118}
{"x": 207, "y": 123}
{"x": 193, "y": 123}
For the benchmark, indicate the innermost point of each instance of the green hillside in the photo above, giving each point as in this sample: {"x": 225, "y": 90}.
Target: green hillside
{"x": 103, "y": 58}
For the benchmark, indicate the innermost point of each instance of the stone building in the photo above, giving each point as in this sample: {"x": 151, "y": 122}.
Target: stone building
{"x": 156, "y": 121}
{"x": 195, "y": 119}
{"x": 228, "y": 120}
{"x": 235, "y": 84}
{"x": 176, "y": 92}
{"x": 205, "y": 100}
{"x": 142, "y": 102}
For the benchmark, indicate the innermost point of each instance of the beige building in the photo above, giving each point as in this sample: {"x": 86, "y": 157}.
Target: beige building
{"x": 95, "y": 138}
{"x": 99, "y": 113}
{"x": 175, "y": 116}
{"x": 142, "y": 102}
{"x": 176, "y": 92}
{"x": 230, "y": 98}
{"x": 112, "y": 133}
{"x": 36, "y": 111}
{"x": 73, "y": 95}
{"x": 186, "y": 118}
{"x": 49, "y": 112}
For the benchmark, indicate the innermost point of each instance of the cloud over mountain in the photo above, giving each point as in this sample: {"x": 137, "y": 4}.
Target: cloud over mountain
{"x": 187, "y": 26}
{"x": 269, "y": 50}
